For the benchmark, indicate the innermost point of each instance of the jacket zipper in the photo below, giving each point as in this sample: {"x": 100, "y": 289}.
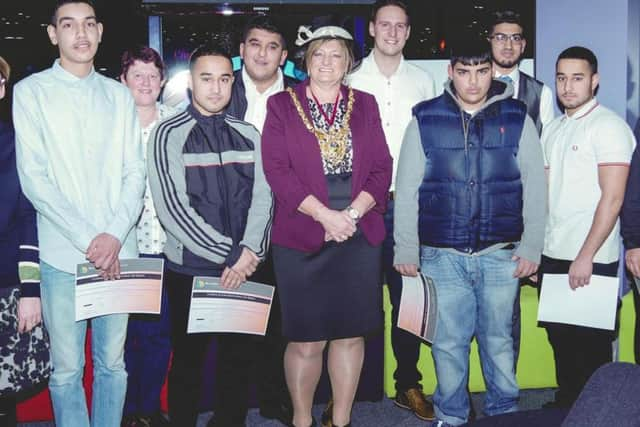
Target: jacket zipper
{"x": 223, "y": 189}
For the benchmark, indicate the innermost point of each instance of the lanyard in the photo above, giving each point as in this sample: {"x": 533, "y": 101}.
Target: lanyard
{"x": 335, "y": 109}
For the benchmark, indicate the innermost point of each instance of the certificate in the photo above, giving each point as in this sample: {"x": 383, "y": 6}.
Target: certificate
{"x": 242, "y": 310}
{"x": 418, "y": 307}
{"x": 138, "y": 290}
{"x": 593, "y": 305}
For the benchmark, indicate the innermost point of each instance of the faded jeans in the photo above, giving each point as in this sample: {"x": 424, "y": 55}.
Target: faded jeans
{"x": 475, "y": 296}
{"x": 67, "y": 337}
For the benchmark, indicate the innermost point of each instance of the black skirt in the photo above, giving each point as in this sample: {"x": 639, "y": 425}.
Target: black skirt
{"x": 335, "y": 292}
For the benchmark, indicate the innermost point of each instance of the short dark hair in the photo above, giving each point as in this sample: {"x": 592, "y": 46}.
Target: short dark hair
{"x": 471, "y": 50}
{"x": 383, "y": 3}
{"x": 143, "y": 54}
{"x": 266, "y": 23}
{"x": 505, "y": 17}
{"x": 579, "y": 52}
{"x": 60, "y": 3}
{"x": 210, "y": 49}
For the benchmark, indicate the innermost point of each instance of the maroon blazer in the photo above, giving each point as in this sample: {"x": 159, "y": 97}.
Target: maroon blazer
{"x": 293, "y": 168}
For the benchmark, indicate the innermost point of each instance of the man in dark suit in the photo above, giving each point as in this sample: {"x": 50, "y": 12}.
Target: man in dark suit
{"x": 263, "y": 51}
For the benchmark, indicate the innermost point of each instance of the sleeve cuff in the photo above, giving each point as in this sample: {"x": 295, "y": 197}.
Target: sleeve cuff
{"x": 406, "y": 256}
{"x": 528, "y": 253}
{"x": 31, "y": 289}
{"x": 233, "y": 256}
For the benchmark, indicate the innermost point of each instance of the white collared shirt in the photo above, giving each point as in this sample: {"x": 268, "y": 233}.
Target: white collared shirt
{"x": 574, "y": 147}
{"x": 396, "y": 96}
{"x": 80, "y": 161}
{"x": 150, "y": 234}
{"x": 256, "y": 101}
{"x": 546, "y": 96}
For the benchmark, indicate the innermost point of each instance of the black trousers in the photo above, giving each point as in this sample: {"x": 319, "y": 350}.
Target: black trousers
{"x": 578, "y": 350}
{"x": 238, "y": 357}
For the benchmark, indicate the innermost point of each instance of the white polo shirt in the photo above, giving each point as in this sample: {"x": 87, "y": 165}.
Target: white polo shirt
{"x": 395, "y": 96}
{"x": 574, "y": 147}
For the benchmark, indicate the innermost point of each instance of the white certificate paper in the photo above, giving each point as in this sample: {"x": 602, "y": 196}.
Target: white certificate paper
{"x": 593, "y": 305}
{"x": 138, "y": 290}
{"x": 243, "y": 310}
{"x": 418, "y": 307}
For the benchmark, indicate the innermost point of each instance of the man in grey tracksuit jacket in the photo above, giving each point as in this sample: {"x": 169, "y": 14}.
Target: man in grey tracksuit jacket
{"x": 211, "y": 196}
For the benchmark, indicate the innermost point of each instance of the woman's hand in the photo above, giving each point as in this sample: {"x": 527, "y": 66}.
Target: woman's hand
{"x": 29, "y": 313}
{"x": 337, "y": 225}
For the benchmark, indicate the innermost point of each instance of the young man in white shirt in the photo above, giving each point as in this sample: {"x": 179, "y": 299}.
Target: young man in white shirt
{"x": 587, "y": 153}
{"x": 263, "y": 51}
{"x": 508, "y": 42}
{"x": 397, "y": 86}
{"x": 81, "y": 165}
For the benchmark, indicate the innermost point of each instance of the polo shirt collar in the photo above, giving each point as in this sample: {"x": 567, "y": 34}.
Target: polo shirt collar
{"x": 584, "y": 110}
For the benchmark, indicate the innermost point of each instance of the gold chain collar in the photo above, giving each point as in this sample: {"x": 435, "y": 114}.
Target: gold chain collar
{"x": 335, "y": 142}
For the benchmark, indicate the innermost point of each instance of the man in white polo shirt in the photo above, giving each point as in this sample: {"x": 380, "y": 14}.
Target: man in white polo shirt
{"x": 588, "y": 151}
{"x": 397, "y": 86}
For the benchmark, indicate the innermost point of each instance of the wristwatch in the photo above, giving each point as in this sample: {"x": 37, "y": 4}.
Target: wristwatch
{"x": 353, "y": 213}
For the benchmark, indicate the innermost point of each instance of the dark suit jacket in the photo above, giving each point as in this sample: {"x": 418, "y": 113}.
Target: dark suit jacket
{"x": 293, "y": 167}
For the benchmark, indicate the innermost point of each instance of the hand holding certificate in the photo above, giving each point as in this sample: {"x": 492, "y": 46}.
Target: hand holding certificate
{"x": 138, "y": 290}
{"x": 242, "y": 310}
{"x": 593, "y": 305}
{"x": 418, "y": 307}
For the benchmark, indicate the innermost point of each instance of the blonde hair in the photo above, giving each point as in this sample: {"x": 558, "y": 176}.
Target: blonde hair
{"x": 314, "y": 45}
{"x": 5, "y": 69}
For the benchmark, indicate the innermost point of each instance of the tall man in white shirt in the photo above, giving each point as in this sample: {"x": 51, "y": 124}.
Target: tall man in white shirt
{"x": 587, "y": 152}
{"x": 508, "y": 42}
{"x": 397, "y": 86}
{"x": 263, "y": 51}
{"x": 81, "y": 165}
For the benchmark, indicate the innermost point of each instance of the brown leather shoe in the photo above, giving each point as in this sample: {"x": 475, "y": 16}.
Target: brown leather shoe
{"x": 414, "y": 400}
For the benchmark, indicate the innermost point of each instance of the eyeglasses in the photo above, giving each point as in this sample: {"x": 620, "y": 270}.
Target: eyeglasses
{"x": 502, "y": 38}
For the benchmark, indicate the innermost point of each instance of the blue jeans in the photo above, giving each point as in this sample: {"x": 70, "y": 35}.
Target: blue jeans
{"x": 475, "y": 296}
{"x": 405, "y": 345}
{"x": 67, "y": 355}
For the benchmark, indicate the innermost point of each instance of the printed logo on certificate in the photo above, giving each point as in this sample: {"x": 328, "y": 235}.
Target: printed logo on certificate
{"x": 418, "y": 307}
{"x": 243, "y": 310}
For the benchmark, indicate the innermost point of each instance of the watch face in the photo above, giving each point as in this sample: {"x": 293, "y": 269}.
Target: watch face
{"x": 353, "y": 213}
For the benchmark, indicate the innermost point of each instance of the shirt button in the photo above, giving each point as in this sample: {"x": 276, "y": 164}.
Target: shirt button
{"x": 387, "y": 124}
{"x": 472, "y": 183}
{"x": 389, "y": 103}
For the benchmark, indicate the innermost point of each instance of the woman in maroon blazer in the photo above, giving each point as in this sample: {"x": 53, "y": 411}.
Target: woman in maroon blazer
{"x": 327, "y": 162}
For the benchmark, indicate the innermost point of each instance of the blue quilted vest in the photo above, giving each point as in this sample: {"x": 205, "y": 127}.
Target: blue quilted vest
{"x": 471, "y": 194}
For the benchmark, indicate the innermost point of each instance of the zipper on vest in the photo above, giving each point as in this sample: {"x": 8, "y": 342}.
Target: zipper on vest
{"x": 465, "y": 130}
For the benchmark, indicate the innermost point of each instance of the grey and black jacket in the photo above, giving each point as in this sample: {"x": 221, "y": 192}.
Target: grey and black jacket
{"x": 209, "y": 189}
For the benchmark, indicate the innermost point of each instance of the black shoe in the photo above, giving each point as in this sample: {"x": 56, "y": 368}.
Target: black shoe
{"x": 282, "y": 411}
